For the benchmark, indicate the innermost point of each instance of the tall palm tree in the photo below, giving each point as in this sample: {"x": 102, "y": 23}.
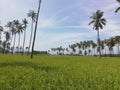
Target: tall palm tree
{"x": 98, "y": 23}
{"x": 32, "y": 14}
{"x": 118, "y": 7}
{"x": 15, "y": 25}
{"x": 19, "y": 31}
{"x": 25, "y": 22}
{"x": 11, "y": 27}
{"x": 35, "y": 28}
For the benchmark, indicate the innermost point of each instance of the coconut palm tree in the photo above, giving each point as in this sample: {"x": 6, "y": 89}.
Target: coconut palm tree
{"x": 19, "y": 31}
{"x": 73, "y": 46}
{"x": 79, "y": 46}
{"x": 25, "y": 22}
{"x": 11, "y": 27}
{"x": 98, "y": 23}
{"x": 32, "y": 14}
{"x": 118, "y": 7}
{"x": 15, "y": 25}
{"x": 35, "y": 28}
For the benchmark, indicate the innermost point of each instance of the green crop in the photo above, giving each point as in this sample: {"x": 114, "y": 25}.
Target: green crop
{"x": 18, "y": 72}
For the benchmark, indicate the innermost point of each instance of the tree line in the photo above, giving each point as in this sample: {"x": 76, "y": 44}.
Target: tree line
{"x": 98, "y": 22}
{"x": 89, "y": 48}
{"x": 15, "y": 27}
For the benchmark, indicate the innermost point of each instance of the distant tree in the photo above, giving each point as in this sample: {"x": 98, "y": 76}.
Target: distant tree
{"x": 98, "y": 23}
{"x": 73, "y": 48}
{"x": 79, "y": 46}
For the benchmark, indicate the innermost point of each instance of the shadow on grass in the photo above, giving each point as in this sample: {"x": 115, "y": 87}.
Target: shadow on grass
{"x": 28, "y": 64}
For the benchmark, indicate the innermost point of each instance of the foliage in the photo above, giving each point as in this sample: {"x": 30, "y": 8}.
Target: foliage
{"x": 59, "y": 73}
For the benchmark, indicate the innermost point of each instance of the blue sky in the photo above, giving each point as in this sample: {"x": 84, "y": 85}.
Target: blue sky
{"x": 63, "y": 22}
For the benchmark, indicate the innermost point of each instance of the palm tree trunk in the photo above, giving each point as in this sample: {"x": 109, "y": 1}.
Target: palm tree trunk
{"x": 98, "y": 40}
{"x": 118, "y": 49}
{"x": 14, "y": 44}
{"x": 30, "y": 37}
{"x": 35, "y": 29}
{"x": 19, "y": 44}
{"x": 24, "y": 40}
{"x": 11, "y": 41}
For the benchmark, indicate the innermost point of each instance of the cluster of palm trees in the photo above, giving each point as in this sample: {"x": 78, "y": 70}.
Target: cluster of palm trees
{"x": 15, "y": 28}
{"x": 85, "y": 47}
{"x": 98, "y": 22}
{"x": 89, "y": 48}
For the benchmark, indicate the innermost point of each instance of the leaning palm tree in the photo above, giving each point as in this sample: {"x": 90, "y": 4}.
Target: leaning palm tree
{"x": 98, "y": 23}
{"x": 118, "y": 7}
{"x": 25, "y": 22}
{"x": 32, "y": 14}
{"x": 35, "y": 28}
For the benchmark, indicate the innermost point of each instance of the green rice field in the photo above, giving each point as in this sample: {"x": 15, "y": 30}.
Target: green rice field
{"x": 19, "y": 72}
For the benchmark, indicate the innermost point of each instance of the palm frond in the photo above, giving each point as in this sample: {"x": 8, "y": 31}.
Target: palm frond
{"x": 117, "y": 9}
{"x": 103, "y": 19}
{"x": 118, "y": 1}
{"x": 100, "y": 25}
{"x": 91, "y": 22}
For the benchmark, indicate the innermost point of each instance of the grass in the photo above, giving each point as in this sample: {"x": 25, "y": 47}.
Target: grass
{"x": 18, "y": 72}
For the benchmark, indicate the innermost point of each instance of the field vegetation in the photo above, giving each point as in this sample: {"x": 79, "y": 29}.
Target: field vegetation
{"x": 45, "y": 72}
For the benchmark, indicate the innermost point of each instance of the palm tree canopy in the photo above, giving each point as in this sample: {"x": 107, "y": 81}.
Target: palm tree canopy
{"x": 20, "y": 28}
{"x": 32, "y": 14}
{"x": 97, "y": 20}
{"x": 25, "y": 22}
{"x": 118, "y": 1}
{"x": 117, "y": 9}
